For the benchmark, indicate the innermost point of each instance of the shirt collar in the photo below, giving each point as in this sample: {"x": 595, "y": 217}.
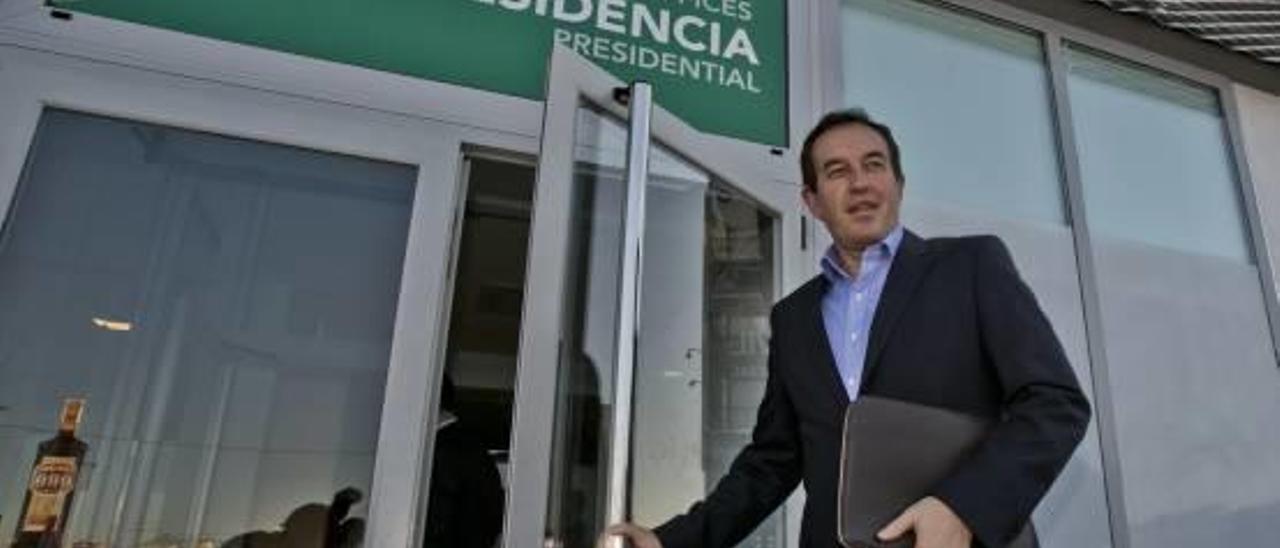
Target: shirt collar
{"x": 887, "y": 248}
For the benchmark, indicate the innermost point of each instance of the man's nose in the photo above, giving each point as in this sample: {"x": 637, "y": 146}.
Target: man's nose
{"x": 857, "y": 181}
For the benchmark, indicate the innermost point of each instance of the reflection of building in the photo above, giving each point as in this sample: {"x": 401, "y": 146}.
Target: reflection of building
{"x": 254, "y": 245}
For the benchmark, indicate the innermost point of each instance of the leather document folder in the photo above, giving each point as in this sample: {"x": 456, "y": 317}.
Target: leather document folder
{"x": 893, "y": 453}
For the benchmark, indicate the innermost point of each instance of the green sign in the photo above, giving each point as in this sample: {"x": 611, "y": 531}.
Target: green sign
{"x": 718, "y": 64}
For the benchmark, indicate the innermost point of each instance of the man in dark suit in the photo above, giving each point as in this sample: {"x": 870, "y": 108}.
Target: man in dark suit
{"x": 466, "y": 499}
{"x": 943, "y": 322}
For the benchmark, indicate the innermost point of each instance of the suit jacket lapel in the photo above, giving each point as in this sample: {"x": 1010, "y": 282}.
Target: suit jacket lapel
{"x": 818, "y": 345}
{"x": 908, "y": 268}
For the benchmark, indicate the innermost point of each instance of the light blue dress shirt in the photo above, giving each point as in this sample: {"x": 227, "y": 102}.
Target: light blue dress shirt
{"x": 849, "y": 305}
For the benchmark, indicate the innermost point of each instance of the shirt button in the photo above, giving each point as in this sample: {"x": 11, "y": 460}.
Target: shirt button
{"x": 854, "y": 336}
{"x": 857, "y": 296}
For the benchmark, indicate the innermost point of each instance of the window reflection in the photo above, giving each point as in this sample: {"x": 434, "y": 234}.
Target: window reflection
{"x": 259, "y": 284}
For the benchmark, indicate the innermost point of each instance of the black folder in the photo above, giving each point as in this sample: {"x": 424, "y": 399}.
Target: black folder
{"x": 893, "y": 453}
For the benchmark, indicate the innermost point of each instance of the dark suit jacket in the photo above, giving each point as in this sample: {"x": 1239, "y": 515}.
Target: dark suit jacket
{"x": 466, "y": 499}
{"x": 955, "y": 328}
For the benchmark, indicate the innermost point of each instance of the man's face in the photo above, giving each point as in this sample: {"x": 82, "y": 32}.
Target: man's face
{"x": 856, "y": 194}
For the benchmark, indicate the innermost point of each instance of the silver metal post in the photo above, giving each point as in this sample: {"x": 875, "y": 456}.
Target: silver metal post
{"x": 1091, "y": 300}
{"x": 641, "y": 105}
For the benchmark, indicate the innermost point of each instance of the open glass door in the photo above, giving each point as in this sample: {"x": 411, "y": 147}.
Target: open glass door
{"x": 644, "y": 339}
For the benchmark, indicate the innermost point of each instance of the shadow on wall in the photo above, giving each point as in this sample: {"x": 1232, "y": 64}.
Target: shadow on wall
{"x": 312, "y": 525}
{"x": 1255, "y": 526}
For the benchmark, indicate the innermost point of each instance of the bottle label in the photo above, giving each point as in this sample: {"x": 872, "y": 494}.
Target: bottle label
{"x": 51, "y": 482}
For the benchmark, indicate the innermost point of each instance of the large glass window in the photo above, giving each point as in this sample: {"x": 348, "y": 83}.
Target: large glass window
{"x": 1154, "y": 160}
{"x": 970, "y": 103}
{"x": 1182, "y": 306}
{"x": 1186, "y": 332}
{"x": 224, "y": 308}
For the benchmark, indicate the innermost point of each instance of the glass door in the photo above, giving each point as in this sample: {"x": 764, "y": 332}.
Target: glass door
{"x": 650, "y": 278}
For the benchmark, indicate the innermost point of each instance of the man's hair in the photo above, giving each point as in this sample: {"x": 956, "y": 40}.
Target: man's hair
{"x": 838, "y": 118}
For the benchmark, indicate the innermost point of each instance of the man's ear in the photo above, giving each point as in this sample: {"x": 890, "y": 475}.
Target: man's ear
{"x": 810, "y": 199}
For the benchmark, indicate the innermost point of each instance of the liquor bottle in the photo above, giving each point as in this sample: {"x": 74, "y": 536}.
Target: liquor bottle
{"x": 46, "y": 509}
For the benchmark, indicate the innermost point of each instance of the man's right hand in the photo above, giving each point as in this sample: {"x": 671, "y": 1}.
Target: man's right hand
{"x": 638, "y": 536}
